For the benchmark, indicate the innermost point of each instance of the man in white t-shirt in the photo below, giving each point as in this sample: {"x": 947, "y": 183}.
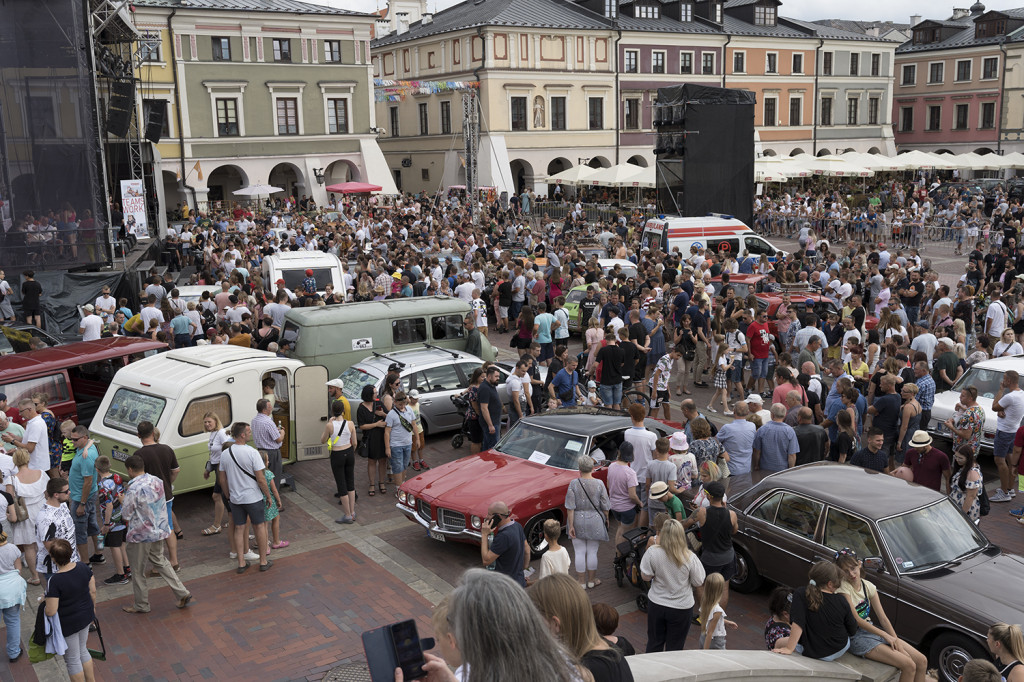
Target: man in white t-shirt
{"x": 91, "y": 325}
{"x": 924, "y": 340}
{"x": 35, "y": 439}
{"x": 105, "y": 305}
{"x": 244, "y": 484}
{"x": 465, "y": 290}
{"x": 480, "y": 308}
{"x": 643, "y": 442}
{"x": 1009, "y": 406}
{"x": 995, "y": 317}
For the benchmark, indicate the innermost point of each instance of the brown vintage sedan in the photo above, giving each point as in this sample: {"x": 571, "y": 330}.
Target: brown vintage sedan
{"x": 941, "y": 582}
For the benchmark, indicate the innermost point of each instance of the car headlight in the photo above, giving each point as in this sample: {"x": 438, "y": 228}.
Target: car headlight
{"x": 402, "y": 497}
{"x": 475, "y": 522}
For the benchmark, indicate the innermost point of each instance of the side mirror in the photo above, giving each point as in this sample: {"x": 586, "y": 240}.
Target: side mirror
{"x": 874, "y": 563}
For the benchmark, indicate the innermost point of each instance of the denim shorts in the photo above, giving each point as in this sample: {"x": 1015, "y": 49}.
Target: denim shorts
{"x": 625, "y": 517}
{"x": 759, "y": 368}
{"x": 400, "y": 455}
{"x": 736, "y": 373}
{"x": 85, "y": 525}
{"x": 1002, "y": 444}
{"x": 862, "y": 642}
{"x": 610, "y": 395}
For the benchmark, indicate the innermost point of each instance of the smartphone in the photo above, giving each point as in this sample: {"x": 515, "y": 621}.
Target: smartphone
{"x": 495, "y": 520}
{"x": 395, "y": 646}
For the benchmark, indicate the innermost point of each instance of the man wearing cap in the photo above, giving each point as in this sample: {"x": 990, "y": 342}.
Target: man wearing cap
{"x": 946, "y": 368}
{"x": 623, "y": 500}
{"x": 673, "y": 505}
{"x": 309, "y": 284}
{"x": 91, "y": 326}
{"x": 930, "y": 465}
{"x": 717, "y": 526}
{"x": 334, "y": 392}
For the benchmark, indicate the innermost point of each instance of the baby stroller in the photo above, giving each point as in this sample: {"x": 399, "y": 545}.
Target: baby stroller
{"x": 462, "y": 406}
{"x": 627, "y": 564}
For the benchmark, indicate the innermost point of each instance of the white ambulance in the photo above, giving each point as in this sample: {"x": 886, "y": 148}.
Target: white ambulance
{"x": 714, "y": 232}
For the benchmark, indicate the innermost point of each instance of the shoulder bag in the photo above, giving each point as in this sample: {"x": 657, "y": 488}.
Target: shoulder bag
{"x": 20, "y": 508}
{"x": 603, "y": 515}
{"x": 231, "y": 452}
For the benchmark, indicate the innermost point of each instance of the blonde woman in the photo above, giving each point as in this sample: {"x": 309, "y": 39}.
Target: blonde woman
{"x": 1007, "y": 645}
{"x": 218, "y": 438}
{"x": 31, "y": 485}
{"x": 674, "y": 572}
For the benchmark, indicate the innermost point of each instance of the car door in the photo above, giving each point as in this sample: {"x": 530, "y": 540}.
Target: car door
{"x": 436, "y": 386}
{"x": 842, "y": 529}
{"x": 780, "y": 531}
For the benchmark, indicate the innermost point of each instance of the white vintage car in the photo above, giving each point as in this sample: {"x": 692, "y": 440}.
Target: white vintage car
{"x": 985, "y": 377}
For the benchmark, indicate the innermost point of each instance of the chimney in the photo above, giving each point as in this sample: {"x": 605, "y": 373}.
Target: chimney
{"x": 402, "y": 22}
{"x": 873, "y": 31}
{"x": 915, "y": 19}
{"x": 428, "y": 18}
{"x": 383, "y": 27}
{"x": 960, "y": 13}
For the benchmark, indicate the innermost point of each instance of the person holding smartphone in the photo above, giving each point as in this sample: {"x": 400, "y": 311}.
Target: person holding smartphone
{"x": 508, "y": 551}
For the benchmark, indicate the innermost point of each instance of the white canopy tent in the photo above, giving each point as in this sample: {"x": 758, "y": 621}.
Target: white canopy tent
{"x": 576, "y": 175}
{"x": 621, "y": 175}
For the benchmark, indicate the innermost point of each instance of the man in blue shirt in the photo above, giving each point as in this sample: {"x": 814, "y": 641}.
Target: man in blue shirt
{"x": 508, "y": 551}
{"x": 564, "y": 386}
{"x": 775, "y": 444}
{"x": 544, "y": 322}
{"x": 82, "y": 488}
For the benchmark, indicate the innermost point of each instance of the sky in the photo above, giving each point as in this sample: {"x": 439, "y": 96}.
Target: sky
{"x": 891, "y": 10}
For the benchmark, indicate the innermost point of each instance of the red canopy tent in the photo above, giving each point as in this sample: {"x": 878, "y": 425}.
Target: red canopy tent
{"x": 353, "y": 188}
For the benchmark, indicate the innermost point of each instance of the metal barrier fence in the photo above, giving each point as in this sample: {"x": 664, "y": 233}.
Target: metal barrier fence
{"x": 934, "y": 236}
{"x": 558, "y": 210}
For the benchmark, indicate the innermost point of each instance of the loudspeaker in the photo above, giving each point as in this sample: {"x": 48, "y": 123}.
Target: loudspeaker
{"x": 119, "y": 110}
{"x": 705, "y": 151}
{"x": 155, "y": 119}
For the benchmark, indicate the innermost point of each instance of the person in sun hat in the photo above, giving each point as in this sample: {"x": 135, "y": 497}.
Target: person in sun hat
{"x": 929, "y": 464}
{"x": 673, "y": 505}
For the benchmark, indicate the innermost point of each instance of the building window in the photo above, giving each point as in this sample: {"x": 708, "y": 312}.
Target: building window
{"x": 558, "y": 113}
{"x": 798, "y": 62}
{"x": 764, "y": 15}
{"x": 685, "y": 11}
{"x": 595, "y": 109}
{"x": 852, "y": 103}
{"x": 657, "y": 62}
{"x": 149, "y": 51}
{"x": 518, "y": 114}
{"x": 424, "y": 122}
{"x": 990, "y": 68}
{"x": 826, "y": 111}
{"x": 717, "y": 13}
{"x": 988, "y": 115}
{"x": 632, "y": 113}
{"x": 632, "y": 57}
{"x": 708, "y": 61}
{"x": 446, "y": 118}
{"x": 990, "y": 28}
{"x": 923, "y": 36}
{"x": 770, "y": 113}
{"x": 960, "y": 117}
{"x": 739, "y": 62}
{"x": 685, "y": 62}
{"x": 876, "y": 64}
{"x": 282, "y": 49}
{"x": 826, "y": 63}
{"x": 611, "y": 8}
{"x": 906, "y": 119}
{"x": 935, "y": 72}
{"x": 221, "y": 49}
{"x": 874, "y": 104}
{"x": 794, "y": 111}
{"x": 909, "y": 74}
{"x": 393, "y": 113}
{"x": 648, "y": 12}
{"x": 332, "y": 51}
{"x": 337, "y": 116}
{"x": 934, "y": 118}
{"x": 854, "y": 64}
{"x": 287, "y": 116}
{"x": 771, "y": 64}
{"x": 963, "y": 70}
{"x": 227, "y": 118}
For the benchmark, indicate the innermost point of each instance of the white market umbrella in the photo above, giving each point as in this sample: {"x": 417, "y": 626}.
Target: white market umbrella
{"x": 1013, "y": 160}
{"x": 875, "y": 162}
{"x": 571, "y": 176}
{"x": 915, "y": 159}
{"x": 646, "y": 177}
{"x": 614, "y": 176}
{"x": 978, "y": 162}
{"x": 835, "y": 166}
{"x": 794, "y": 168}
{"x": 770, "y": 169}
{"x": 257, "y": 190}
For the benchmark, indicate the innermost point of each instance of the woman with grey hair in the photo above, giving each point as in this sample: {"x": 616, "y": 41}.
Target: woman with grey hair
{"x": 587, "y": 505}
{"x": 484, "y": 609}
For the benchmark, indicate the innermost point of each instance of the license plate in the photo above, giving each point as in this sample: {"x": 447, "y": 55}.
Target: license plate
{"x": 119, "y": 455}
{"x": 436, "y": 535}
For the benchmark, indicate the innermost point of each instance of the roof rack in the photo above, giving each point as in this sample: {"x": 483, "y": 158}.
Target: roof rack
{"x": 454, "y": 354}
{"x": 401, "y": 365}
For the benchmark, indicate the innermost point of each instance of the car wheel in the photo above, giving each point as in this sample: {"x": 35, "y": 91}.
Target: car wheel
{"x": 641, "y": 602}
{"x": 535, "y": 535}
{"x": 457, "y": 440}
{"x": 747, "y": 579}
{"x": 951, "y": 651}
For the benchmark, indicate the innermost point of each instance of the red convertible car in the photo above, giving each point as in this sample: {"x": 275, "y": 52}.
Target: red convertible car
{"x": 529, "y": 469}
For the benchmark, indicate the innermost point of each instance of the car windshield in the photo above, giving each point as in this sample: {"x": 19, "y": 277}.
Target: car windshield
{"x": 541, "y": 445}
{"x": 576, "y": 295}
{"x": 355, "y": 378}
{"x": 930, "y": 537}
{"x": 985, "y": 380}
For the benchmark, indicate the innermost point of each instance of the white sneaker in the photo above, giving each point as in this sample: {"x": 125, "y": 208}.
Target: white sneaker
{"x": 1012, "y": 493}
{"x": 251, "y": 556}
{"x": 232, "y": 555}
{"x": 999, "y": 496}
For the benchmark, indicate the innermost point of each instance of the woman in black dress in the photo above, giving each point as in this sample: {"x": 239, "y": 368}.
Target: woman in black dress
{"x": 370, "y": 418}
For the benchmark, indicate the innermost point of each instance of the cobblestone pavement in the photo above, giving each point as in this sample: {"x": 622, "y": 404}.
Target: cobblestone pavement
{"x": 305, "y": 615}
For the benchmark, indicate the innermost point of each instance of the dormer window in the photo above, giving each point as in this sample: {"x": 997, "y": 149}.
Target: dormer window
{"x": 611, "y": 8}
{"x": 988, "y": 29}
{"x": 685, "y": 11}
{"x": 717, "y": 10}
{"x": 764, "y": 15}
{"x": 923, "y": 36}
{"x": 648, "y": 12}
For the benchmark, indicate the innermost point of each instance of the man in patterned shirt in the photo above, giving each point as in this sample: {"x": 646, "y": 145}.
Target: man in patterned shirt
{"x": 144, "y": 511}
{"x": 660, "y": 379}
{"x": 925, "y": 391}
